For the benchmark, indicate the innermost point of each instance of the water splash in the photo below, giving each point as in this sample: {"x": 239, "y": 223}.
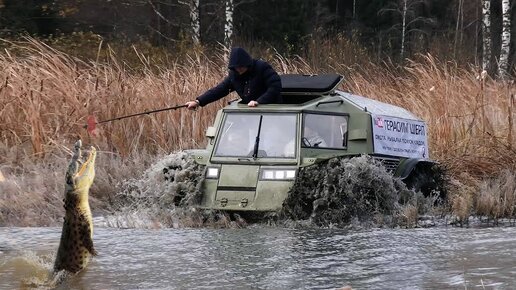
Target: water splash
{"x": 341, "y": 190}
{"x": 32, "y": 271}
{"x": 174, "y": 180}
{"x": 165, "y": 196}
{"x": 337, "y": 193}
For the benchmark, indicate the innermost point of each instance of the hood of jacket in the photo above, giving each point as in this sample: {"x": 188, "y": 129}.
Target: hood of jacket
{"x": 239, "y": 57}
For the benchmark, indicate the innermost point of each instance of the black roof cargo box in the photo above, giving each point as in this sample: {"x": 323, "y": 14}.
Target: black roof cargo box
{"x": 309, "y": 84}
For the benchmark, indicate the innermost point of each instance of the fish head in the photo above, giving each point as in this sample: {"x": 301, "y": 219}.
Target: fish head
{"x": 80, "y": 175}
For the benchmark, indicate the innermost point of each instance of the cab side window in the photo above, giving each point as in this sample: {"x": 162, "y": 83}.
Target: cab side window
{"x": 325, "y": 131}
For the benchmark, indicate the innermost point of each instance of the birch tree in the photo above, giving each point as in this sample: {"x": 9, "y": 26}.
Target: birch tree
{"x": 486, "y": 34}
{"x": 195, "y": 23}
{"x": 407, "y": 10}
{"x": 228, "y": 23}
{"x": 506, "y": 39}
{"x": 404, "y": 27}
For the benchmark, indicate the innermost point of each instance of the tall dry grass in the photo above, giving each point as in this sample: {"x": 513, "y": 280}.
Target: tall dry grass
{"x": 46, "y": 96}
{"x": 469, "y": 116}
{"x": 497, "y": 197}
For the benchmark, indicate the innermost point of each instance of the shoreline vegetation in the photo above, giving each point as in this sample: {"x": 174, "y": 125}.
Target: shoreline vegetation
{"x": 47, "y": 91}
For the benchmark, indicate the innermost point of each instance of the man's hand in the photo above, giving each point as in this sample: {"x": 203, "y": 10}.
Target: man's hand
{"x": 253, "y": 104}
{"x": 192, "y": 105}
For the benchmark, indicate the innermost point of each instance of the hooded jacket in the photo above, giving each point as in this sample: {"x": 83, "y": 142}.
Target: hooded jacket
{"x": 259, "y": 83}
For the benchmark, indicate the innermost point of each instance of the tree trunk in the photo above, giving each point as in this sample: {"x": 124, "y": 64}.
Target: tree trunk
{"x": 403, "y": 28}
{"x": 228, "y": 25}
{"x": 486, "y": 34}
{"x": 354, "y": 9}
{"x": 195, "y": 19}
{"x": 506, "y": 39}
{"x": 195, "y": 24}
{"x": 458, "y": 27}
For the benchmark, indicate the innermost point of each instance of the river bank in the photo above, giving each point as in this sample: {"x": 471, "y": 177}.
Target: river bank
{"x": 46, "y": 96}
{"x": 135, "y": 193}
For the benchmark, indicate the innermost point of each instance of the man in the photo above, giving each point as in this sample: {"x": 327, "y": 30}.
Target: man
{"x": 255, "y": 81}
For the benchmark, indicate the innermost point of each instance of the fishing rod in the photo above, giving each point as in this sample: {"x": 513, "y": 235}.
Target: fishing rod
{"x": 92, "y": 123}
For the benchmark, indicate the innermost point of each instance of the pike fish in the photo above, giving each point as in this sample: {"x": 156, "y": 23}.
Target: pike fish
{"x": 76, "y": 245}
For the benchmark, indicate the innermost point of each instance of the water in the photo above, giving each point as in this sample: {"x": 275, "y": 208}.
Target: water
{"x": 260, "y": 257}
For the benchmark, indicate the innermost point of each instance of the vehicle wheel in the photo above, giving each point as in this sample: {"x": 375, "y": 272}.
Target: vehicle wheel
{"x": 429, "y": 179}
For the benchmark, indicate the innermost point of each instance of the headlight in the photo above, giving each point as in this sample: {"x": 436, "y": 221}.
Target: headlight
{"x": 290, "y": 174}
{"x": 212, "y": 172}
{"x": 278, "y": 174}
{"x": 268, "y": 174}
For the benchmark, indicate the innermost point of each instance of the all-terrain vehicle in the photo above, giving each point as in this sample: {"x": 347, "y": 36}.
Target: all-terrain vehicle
{"x": 254, "y": 154}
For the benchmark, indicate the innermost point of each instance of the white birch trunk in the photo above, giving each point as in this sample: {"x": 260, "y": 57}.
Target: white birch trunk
{"x": 403, "y": 28}
{"x": 228, "y": 25}
{"x": 506, "y": 39}
{"x": 195, "y": 20}
{"x": 486, "y": 34}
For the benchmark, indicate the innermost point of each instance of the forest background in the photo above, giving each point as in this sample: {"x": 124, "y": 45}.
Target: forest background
{"x": 449, "y": 61}
{"x": 454, "y": 30}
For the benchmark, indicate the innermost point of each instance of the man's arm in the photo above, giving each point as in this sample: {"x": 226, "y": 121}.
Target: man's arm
{"x": 273, "y": 83}
{"x": 216, "y": 93}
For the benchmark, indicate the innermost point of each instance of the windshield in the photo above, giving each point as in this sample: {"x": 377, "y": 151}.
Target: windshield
{"x": 276, "y": 140}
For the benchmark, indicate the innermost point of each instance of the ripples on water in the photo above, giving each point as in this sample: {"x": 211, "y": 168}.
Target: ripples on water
{"x": 256, "y": 257}
{"x": 273, "y": 258}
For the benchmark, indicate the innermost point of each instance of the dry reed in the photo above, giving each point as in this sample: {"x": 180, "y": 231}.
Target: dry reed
{"x": 468, "y": 116}
{"x": 46, "y": 96}
{"x": 497, "y": 197}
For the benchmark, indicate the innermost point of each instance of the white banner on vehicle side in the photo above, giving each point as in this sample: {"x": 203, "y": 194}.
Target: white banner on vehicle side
{"x": 400, "y": 137}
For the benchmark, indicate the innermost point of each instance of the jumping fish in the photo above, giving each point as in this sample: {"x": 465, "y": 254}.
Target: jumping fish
{"x": 76, "y": 245}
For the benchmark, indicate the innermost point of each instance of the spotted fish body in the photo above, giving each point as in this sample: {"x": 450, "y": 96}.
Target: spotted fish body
{"x": 76, "y": 245}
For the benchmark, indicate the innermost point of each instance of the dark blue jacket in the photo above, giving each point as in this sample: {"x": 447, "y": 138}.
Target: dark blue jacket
{"x": 259, "y": 83}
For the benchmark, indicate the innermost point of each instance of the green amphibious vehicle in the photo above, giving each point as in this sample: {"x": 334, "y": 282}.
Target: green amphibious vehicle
{"x": 254, "y": 154}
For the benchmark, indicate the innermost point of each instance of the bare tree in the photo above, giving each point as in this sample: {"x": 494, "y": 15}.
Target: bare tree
{"x": 228, "y": 24}
{"x": 195, "y": 23}
{"x": 459, "y": 26}
{"x": 486, "y": 34}
{"x": 407, "y": 10}
{"x": 354, "y": 9}
{"x": 506, "y": 39}
{"x": 404, "y": 27}
{"x": 164, "y": 22}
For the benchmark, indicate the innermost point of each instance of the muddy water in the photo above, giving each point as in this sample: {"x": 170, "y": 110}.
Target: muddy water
{"x": 260, "y": 257}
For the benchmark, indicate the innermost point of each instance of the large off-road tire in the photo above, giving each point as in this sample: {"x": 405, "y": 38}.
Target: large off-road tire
{"x": 429, "y": 179}
{"x": 340, "y": 189}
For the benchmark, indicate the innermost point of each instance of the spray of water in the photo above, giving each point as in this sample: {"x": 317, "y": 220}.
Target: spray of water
{"x": 332, "y": 193}
{"x": 162, "y": 196}
{"x": 341, "y": 190}
{"x": 32, "y": 270}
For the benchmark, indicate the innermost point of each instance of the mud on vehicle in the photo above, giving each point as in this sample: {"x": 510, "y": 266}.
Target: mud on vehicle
{"x": 254, "y": 155}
